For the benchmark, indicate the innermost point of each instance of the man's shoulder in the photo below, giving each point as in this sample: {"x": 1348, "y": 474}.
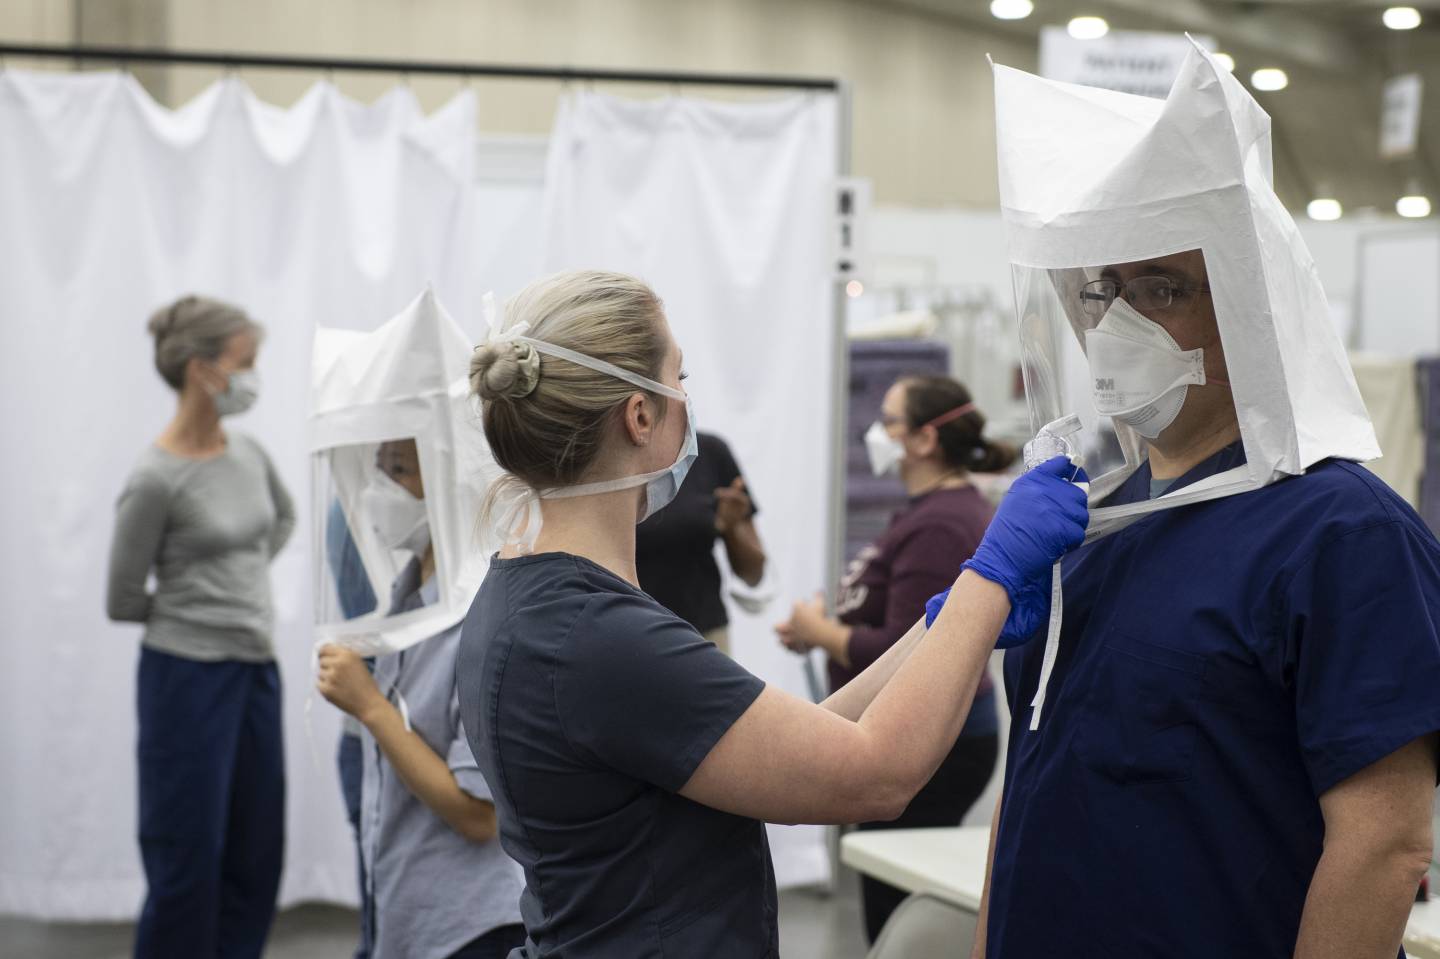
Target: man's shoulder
{"x": 1344, "y": 488}
{"x": 1336, "y": 498}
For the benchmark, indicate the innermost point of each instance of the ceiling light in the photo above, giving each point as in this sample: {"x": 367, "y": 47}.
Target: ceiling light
{"x": 1088, "y": 28}
{"x": 1413, "y": 206}
{"x": 1011, "y": 9}
{"x": 1401, "y": 18}
{"x": 1324, "y": 208}
{"x": 1225, "y": 60}
{"x": 1269, "y": 79}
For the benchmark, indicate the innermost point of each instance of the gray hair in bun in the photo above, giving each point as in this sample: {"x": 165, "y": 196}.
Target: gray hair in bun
{"x": 191, "y": 327}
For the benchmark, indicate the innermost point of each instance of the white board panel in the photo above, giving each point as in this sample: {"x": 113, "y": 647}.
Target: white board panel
{"x": 1399, "y": 293}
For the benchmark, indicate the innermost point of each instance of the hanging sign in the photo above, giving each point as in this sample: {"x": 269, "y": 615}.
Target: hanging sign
{"x": 1400, "y": 116}
{"x": 1130, "y": 61}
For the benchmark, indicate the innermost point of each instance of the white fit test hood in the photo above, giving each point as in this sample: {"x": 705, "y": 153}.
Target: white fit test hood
{"x": 1090, "y": 178}
{"x": 392, "y": 402}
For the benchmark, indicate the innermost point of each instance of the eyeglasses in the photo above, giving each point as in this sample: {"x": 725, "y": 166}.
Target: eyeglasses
{"x": 1142, "y": 292}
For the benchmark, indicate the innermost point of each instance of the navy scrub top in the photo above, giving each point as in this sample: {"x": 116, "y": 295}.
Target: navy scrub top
{"x": 588, "y": 706}
{"x": 1221, "y": 666}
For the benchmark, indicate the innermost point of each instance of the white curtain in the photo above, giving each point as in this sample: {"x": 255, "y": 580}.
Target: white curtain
{"x": 109, "y": 207}
{"x": 327, "y": 211}
{"x": 722, "y": 209}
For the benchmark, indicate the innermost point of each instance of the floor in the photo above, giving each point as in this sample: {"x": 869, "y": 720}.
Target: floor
{"x": 814, "y": 924}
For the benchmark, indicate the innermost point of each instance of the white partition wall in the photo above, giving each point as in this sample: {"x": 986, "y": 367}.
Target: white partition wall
{"x": 1398, "y": 292}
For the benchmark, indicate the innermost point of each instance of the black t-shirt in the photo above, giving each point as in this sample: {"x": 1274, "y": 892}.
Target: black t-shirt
{"x": 675, "y": 548}
{"x": 588, "y": 706}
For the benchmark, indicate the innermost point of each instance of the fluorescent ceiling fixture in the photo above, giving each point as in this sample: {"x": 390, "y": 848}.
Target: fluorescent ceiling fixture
{"x": 1401, "y": 18}
{"x": 1269, "y": 78}
{"x": 1225, "y": 60}
{"x": 1011, "y": 9}
{"x": 1324, "y": 208}
{"x": 1413, "y": 206}
{"x": 854, "y": 288}
{"x": 1088, "y": 28}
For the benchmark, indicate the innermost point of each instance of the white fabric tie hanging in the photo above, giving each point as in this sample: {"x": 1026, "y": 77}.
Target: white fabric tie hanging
{"x": 1052, "y": 440}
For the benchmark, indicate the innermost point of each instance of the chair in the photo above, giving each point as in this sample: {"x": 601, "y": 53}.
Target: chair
{"x": 924, "y": 927}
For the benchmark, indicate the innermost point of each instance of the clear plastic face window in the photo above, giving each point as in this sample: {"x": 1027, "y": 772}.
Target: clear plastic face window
{"x": 373, "y": 526}
{"x": 1115, "y": 343}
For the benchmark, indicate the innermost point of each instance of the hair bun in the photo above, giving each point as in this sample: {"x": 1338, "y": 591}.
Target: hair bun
{"x": 506, "y": 370}
{"x": 162, "y": 321}
{"x": 991, "y": 456}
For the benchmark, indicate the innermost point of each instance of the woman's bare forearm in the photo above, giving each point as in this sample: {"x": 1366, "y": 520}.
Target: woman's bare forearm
{"x": 852, "y": 699}
{"x": 916, "y": 716}
{"x": 743, "y": 550}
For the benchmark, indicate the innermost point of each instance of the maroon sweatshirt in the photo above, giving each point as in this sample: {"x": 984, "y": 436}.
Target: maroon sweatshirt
{"x": 886, "y": 586}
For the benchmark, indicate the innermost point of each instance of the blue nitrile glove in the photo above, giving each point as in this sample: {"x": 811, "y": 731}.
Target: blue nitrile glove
{"x": 933, "y": 605}
{"x": 1041, "y": 519}
{"x": 1018, "y": 629}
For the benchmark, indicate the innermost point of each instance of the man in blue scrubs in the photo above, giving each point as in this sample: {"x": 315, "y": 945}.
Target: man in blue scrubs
{"x": 1237, "y": 756}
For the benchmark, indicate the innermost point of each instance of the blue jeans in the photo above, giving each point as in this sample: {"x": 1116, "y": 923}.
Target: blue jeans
{"x": 212, "y": 806}
{"x": 351, "y": 760}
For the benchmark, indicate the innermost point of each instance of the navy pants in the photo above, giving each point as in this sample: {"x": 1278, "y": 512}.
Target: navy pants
{"x": 212, "y": 806}
{"x": 351, "y": 761}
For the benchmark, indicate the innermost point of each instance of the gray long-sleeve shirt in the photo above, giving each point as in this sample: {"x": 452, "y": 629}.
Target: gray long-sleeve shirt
{"x": 208, "y": 529}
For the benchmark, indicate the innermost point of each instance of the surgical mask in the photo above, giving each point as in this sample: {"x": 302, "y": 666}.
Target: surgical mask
{"x": 661, "y": 486}
{"x": 397, "y": 516}
{"x": 240, "y": 393}
{"x": 1139, "y": 373}
{"x": 884, "y": 450}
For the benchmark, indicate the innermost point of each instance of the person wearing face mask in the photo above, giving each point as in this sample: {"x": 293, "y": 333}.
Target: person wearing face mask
{"x": 438, "y": 885}
{"x": 675, "y": 549}
{"x": 1223, "y": 741}
{"x": 1244, "y": 685}
{"x": 931, "y": 435}
{"x": 205, "y": 512}
{"x": 634, "y": 763}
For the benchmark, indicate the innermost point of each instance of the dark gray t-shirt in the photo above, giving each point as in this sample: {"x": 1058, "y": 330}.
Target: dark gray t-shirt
{"x": 588, "y": 705}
